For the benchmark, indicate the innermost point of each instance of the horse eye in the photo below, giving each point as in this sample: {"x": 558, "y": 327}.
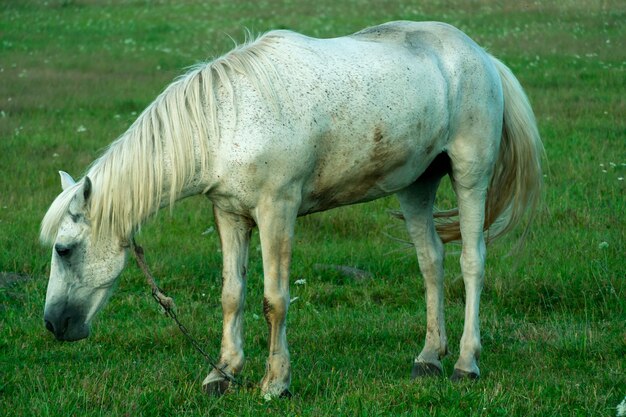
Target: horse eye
{"x": 63, "y": 250}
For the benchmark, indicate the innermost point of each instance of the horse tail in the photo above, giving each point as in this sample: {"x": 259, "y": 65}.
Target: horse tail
{"x": 516, "y": 182}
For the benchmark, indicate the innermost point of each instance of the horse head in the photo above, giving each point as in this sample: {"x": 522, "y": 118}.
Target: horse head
{"x": 84, "y": 267}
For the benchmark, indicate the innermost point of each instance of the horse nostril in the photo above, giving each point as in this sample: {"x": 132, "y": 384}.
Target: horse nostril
{"x": 49, "y": 326}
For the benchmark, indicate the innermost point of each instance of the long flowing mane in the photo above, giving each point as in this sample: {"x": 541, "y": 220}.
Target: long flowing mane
{"x": 167, "y": 147}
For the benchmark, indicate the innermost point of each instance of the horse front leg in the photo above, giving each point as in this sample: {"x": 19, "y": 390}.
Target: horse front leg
{"x": 234, "y": 232}
{"x": 276, "y": 220}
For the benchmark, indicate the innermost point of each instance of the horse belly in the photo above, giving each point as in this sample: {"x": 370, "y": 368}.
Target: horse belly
{"x": 374, "y": 167}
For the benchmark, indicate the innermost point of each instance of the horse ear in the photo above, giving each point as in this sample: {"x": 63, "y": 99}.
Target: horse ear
{"x": 80, "y": 199}
{"x": 66, "y": 180}
{"x": 86, "y": 189}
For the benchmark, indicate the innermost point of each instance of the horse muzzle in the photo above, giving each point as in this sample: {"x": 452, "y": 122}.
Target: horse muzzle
{"x": 67, "y": 325}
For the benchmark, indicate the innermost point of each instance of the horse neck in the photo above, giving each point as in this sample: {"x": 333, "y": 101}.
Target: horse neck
{"x": 143, "y": 171}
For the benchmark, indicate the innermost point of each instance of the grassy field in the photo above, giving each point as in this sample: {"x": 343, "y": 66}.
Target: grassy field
{"x": 75, "y": 74}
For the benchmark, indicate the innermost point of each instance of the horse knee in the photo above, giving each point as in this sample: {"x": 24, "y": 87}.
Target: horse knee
{"x": 431, "y": 261}
{"x": 473, "y": 262}
{"x": 431, "y": 265}
{"x": 275, "y": 307}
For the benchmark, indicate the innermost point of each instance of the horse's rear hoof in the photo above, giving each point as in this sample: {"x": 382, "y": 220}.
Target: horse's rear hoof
{"x": 216, "y": 388}
{"x": 459, "y": 375}
{"x": 286, "y": 394}
{"x": 425, "y": 369}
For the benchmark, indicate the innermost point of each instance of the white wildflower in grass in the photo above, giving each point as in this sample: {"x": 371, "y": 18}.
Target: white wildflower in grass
{"x": 267, "y": 397}
{"x": 603, "y": 245}
{"x": 81, "y": 129}
{"x": 621, "y": 408}
{"x": 55, "y": 155}
{"x": 300, "y": 281}
{"x": 620, "y": 178}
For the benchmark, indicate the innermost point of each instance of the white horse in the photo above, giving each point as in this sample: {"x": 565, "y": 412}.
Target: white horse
{"x": 288, "y": 125}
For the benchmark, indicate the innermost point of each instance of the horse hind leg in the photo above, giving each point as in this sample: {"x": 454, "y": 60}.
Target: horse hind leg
{"x": 471, "y": 213}
{"x": 417, "y": 207}
{"x": 472, "y": 166}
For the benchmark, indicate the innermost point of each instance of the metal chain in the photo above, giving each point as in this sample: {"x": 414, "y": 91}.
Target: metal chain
{"x": 167, "y": 303}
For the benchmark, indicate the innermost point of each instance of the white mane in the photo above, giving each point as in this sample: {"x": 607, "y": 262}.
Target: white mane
{"x": 166, "y": 148}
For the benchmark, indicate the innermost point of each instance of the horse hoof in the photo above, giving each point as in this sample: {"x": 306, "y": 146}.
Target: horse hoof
{"x": 459, "y": 375}
{"x": 425, "y": 369}
{"x": 216, "y": 388}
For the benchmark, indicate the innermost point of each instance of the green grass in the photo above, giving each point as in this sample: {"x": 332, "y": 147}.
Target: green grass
{"x": 553, "y": 315}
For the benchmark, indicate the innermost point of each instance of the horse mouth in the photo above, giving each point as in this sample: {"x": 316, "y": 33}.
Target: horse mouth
{"x": 66, "y": 327}
{"x": 66, "y": 332}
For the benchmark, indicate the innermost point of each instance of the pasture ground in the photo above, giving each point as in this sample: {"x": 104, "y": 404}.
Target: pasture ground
{"x": 75, "y": 73}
